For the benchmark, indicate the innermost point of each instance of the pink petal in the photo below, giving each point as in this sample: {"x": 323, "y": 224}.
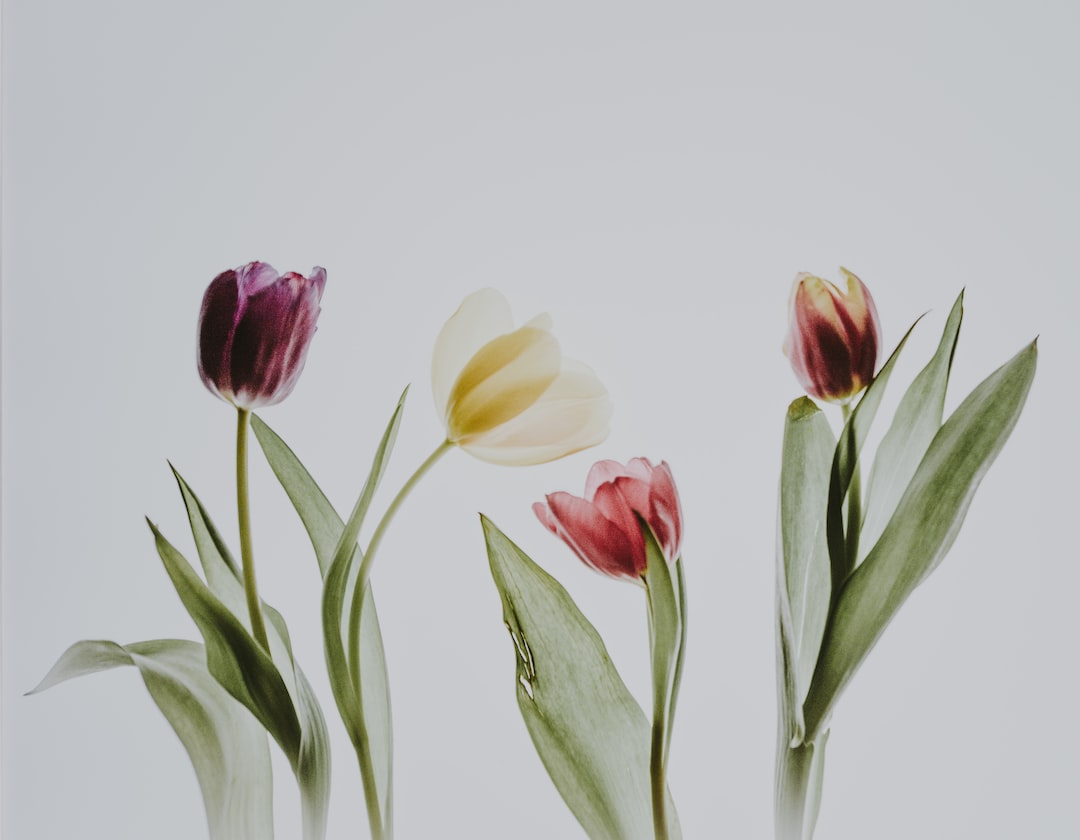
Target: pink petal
{"x": 599, "y": 542}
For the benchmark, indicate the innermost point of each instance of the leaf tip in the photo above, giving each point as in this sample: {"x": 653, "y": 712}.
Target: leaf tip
{"x": 801, "y": 408}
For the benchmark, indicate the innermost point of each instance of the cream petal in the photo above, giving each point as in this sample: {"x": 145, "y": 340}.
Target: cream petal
{"x": 481, "y": 317}
{"x": 541, "y": 322}
{"x": 571, "y": 415}
{"x": 501, "y": 381}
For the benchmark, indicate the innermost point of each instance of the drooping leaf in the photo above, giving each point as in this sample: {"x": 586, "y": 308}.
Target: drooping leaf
{"x": 846, "y": 461}
{"x": 921, "y": 531}
{"x": 589, "y": 731}
{"x": 227, "y": 746}
{"x": 802, "y": 573}
{"x": 249, "y": 674}
{"x": 917, "y": 419}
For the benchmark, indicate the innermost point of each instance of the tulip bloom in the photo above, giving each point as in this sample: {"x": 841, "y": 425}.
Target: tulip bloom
{"x": 254, "y": 331}
{"x": 507, "y": 395}
{"x": 602, "y": 528}
{"x": 832, "y": 339}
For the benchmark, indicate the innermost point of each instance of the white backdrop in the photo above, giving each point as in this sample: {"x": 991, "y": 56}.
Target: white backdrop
{"x": 652, "y": 175}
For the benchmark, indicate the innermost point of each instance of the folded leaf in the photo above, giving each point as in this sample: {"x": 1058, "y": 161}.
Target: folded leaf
{"x": 278, "y": 697}
{"x": 589, "y": 731}
{"x": 227, "y": 746}
{"x": 802, "y": 573}
{"x": 917, "y": 419}
{"x": 922, "y": 529}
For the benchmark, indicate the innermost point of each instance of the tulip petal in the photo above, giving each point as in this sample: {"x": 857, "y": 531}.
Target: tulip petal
{"x": 599, "y": 542}
{"x": 254, "y": 277}
{"x": 666, "y": 512}
{"x": 217, "y": 321}
{"x": 503, "y": 378}
{"x": 481, "y": 317}
{"x": 271, "y": 340}
{"x": 601, "y": 473}
{"x": 572, "y": 414}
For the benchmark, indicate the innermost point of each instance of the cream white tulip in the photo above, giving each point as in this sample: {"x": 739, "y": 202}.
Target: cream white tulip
{"x": 507, "y": 395}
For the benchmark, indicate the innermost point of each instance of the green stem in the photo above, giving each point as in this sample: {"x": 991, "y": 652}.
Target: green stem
{"x": 363, "y": 747}
{"x": 658, "y": 744}
{"x": 798, "y": 787}
{"x": 243, "y": 510}
{"x": 854, "y": 508}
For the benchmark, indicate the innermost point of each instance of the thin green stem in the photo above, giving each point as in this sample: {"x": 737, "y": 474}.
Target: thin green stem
{"x": 798, "y": 788}
{"x": 658, "y": 744}
{"x": 243, "y": 510}
{"x": 363, "y": 745}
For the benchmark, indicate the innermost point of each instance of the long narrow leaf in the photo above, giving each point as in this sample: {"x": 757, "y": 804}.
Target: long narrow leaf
{"x": 589, "y": 731}
{"x": 235, "y": 659}
{"x": 311, "y": 764}
{"x": 802, "y": 572}
{"x": 922, "y": 529}
{"x": 227, "y": 746}
{"x": 367, "y": 719}
{"x": 917, "y": 419}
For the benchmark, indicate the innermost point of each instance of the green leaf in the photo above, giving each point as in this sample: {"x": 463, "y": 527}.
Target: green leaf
{"x": 280, "y": 698}
{"x": 227, "y": 746}
{"x": 318, "y": 516}
{"x": 846, "y": 461}
{"x": 917, "y": 419}
{"x": 367, "y": 719}
{"x": 366, "y": 715}
{"x": 922, "y": 529}
{"x": 802, "y": 571}
{"x": 587, "y": 728}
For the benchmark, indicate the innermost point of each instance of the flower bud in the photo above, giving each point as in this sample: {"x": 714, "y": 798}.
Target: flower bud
{"x": 254, "y": 331}
{"x": 602, "y": 528}
{"x": 832, "y": 339}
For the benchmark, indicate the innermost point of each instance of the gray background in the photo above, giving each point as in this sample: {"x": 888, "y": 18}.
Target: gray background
{"x": 653, "y": 176}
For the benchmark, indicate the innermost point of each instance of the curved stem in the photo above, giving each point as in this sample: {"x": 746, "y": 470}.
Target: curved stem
{"x": 247, "y": 556}
{"x": 363, "y": 748}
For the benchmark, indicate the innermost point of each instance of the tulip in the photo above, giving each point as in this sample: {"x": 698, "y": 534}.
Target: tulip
{"x": 254, "y": 331}
{"x": 507, "y": 395}
{"x": 832, "y": 339}
{"x": 602, "y": 528}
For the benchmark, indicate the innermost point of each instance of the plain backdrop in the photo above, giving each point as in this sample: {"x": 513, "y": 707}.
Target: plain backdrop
{"x": 653, "y": 175}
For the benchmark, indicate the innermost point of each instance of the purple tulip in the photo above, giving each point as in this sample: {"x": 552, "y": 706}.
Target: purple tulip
{"x": 254, "y": 332}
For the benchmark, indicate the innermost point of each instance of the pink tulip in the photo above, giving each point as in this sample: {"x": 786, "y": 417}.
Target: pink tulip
{"x": 254, "y": 332}
{"x": 602, "y": 528}
{"x": 832, "y": 339}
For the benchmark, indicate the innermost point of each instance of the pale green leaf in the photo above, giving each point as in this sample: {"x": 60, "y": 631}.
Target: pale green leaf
{"x": 311, "y": 758}
{"x": 917, "y": 419}
{"x": 922, "y": 529}
{"x": 589, "y": 731}
{"x": 802, "y": 572}
{"x": 367, "y": 719}
{"x": 227, "y": 746}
